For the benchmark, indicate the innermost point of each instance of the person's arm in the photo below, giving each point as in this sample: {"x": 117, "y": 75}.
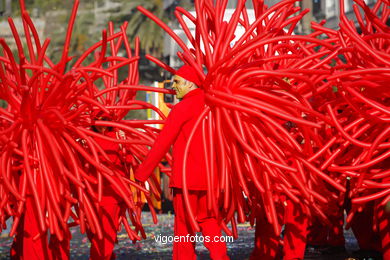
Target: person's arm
{"x": 177, "y": 117}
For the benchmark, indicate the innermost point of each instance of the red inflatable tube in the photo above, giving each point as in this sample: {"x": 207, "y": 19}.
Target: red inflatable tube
{"x": 64, "y": 58}
{"x": 30, "y": 180}
{"x": 161, "y": 64}
{"x": 348, "y": 137}
{"x": 9, "y": 186}
{"x": 192, "y": 220}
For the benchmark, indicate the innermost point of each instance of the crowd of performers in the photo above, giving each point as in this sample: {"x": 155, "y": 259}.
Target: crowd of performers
{"x": 273, "y": 128}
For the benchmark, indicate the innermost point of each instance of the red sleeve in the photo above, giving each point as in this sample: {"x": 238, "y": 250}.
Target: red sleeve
{"x": 177, "y": 117}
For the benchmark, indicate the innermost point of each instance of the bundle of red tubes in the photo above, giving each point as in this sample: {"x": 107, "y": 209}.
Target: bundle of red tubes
{"x": 46, "y": 143}
{"x": 356, "y": 143}
{"x": 288, "y": 115}
{"x": 257, "y": 121}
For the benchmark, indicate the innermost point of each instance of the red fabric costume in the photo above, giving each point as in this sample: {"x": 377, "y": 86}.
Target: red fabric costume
{"x": 320, "y": 234}
{"x": 267, "y": 243}
{"x": 110, "y": 205}
{"x": 24, "y": 246}
{"x": 371, "y": 228}
{"x": 176, "y": 131}
{"x": 178, "y": 126}
{"x": 296, "y": 223}
{"x": 207, "y": 222}
{"x": 383, "y": 221}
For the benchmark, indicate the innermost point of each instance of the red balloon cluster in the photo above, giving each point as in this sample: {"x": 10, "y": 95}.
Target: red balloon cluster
{"x": 274, "y": 123}
{"x": 287, "y": 116}
{"x": 47, "y": 147}
{"x": 357, "y": 146}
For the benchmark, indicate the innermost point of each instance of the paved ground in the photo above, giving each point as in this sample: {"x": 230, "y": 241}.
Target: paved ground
{"x": 150, "y": 249}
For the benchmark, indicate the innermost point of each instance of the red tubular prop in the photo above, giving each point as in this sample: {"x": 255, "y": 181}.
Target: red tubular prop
{"x": 47, "y": 99}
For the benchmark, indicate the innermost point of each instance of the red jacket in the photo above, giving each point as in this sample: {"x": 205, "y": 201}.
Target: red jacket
{"x": 176, "y": 131}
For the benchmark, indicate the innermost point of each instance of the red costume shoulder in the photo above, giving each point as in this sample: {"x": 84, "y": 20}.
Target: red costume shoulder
{"x": 178, "y": 126}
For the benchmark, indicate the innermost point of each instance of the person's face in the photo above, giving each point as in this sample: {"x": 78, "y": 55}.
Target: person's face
{"x": 101, "y": 128}
{"x": 181, "y": 86}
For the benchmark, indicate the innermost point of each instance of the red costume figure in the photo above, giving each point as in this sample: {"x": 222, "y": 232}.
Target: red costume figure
{"x": 178, "y": 126}
{"x": 111, "y": 203}
{"x": 51, "y": 190}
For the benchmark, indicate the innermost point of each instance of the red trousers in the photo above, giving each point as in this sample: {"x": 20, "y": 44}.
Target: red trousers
{"x": 25, "y": 247}
{"x": 383, "y": 221}
{"x": 109, "y": 216}
{"x": 267, "y": 242}
{"x": 207, "y": 222}
{"x": 295, "y": 232}
{"x": 363, "y": 228}
{"x": 371, "y": 228}
{"x": 320, "y": 234}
